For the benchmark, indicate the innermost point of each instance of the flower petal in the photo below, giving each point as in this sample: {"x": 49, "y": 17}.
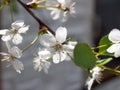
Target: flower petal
{"x": 41, "y": 63}
{"x": 61, "y": 1}
{"x": 47, "y": 40}
{"x": 3, "y": 32}
{"x": 8, "y": 46}
{"x": 73, "y": 43}
{"x": 59, "y": 57}
{"x": 56, "y": 58}
{"x": 17, "y": 39}
{"x": 46, "y": 66}
{"x": 37, "y": 63}
{"x": 89, "y": 83}
{"x": 6, "y": 37}
{"x": 17, "y": 65}
{"x": 114, "y": 36}
{"x": 113, "y": 48}
{"x": 44, "y": 54}
{"x": 16, "y": 52}
{"x": 24, "y": 29}
{"x": 61, "y": 34}
{"x": 18, "y": 24}
{"x": 3, "y": 54}
{"x": 55, "y": 14}
{"x": 117, "y": 53}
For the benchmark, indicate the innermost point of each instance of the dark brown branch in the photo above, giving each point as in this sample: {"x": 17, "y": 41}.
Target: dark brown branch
{"x": 41, "y": 23}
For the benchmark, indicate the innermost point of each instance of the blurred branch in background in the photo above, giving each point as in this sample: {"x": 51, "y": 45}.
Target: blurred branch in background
{"x": 0, "y": 56}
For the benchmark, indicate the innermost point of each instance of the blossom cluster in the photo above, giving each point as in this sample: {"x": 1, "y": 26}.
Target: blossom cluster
{"x": 55, "y": 47}
{"x": 14, "y": 35}
{"x": 59, "y": 9}
{"x": 63, "y": 10}
{"x": 114, "y": 37}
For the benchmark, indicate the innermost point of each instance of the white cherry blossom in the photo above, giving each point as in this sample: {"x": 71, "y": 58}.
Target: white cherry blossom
{"x": 14, "y": 34}
{"x": 96, "y": 75}
{"x": 13, "y": 55}
{"x": 69, "y": 48}
{"x": 65, "y": 8}
{"x": 40, "y": 61}
{"x": 57, "y": 45}
{"x": 114, "y": 37}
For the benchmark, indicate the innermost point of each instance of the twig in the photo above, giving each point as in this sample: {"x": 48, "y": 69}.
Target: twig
{"x": 41, "y": 23}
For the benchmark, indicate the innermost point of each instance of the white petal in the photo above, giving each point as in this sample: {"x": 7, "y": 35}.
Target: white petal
{"x": 69, "y": 56}
{"x": 55, "y": 14}
{"x": 66, "y": 3}
{"x": 36, "y": 63}
{"x": 113, "y": 48}
{"x": 23, "y": 29}
{"x": 18, "y": 24}
{"x": 97, "y": 69}
{"x": 59, "y": 57}
{"x": 52, "y": 50}
{"x": 114, "y": 36}
{"x": 4, "y": 54}
{"x": 68, "y": 47}
{"x": 64, "y": 16}
{"x": 8, "y": 46}
{"x": 15, "y": 51}
{"x": 6, "y": 37}
{"x": 56, "y": 59}
{"x": 17, "y": 65}
{"x": 41, "y": 63}
{"x": 3, "y": 32}
{"x": 61, "y": 1}
{"x": 46, "y": 66}
{"x": 44, "y": 54}
{"x": 89, "y": 83}
{"x": 61, "y": 34}
{"x": 72, "y": 8}
{"x": 117, "y": 53}
{"x": 17, "y": 39}
{"x": 73, "y": 43}
{"x": 47, "y": 40}
{"x": 72, "y": 4}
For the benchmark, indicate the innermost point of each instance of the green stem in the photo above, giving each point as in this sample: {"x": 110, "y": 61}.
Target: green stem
{"x": 32, "y": 43}
{"x": 100, "y": 46}
{"x": 116, "y": 72}
{"x": 11, "y": 12}
{"x": 51, "y": 7}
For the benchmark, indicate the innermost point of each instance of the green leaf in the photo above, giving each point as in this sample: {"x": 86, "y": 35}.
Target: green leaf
{"x": 83, "y": 56}
{"x": 103, "y": 61}
{"x": 104, "y": 44}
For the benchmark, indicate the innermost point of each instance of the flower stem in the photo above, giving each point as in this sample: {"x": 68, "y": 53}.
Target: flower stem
{"x": 56, "y": 7}
{"x": 11, "y": 12}
{"x": 31, "y": 43}
{"x": 100, "y": 46}
{"x": 116, "y": 72}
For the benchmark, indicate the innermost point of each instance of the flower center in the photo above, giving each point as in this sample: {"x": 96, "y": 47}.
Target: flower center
{"x": 15, "y": 31}
{"x": 58, "y": 47}
{"x": 11, "y": 57}
{"x": 66, "y": 9}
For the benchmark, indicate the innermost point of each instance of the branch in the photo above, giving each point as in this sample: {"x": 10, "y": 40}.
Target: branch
{"x": 41, "y": 23}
